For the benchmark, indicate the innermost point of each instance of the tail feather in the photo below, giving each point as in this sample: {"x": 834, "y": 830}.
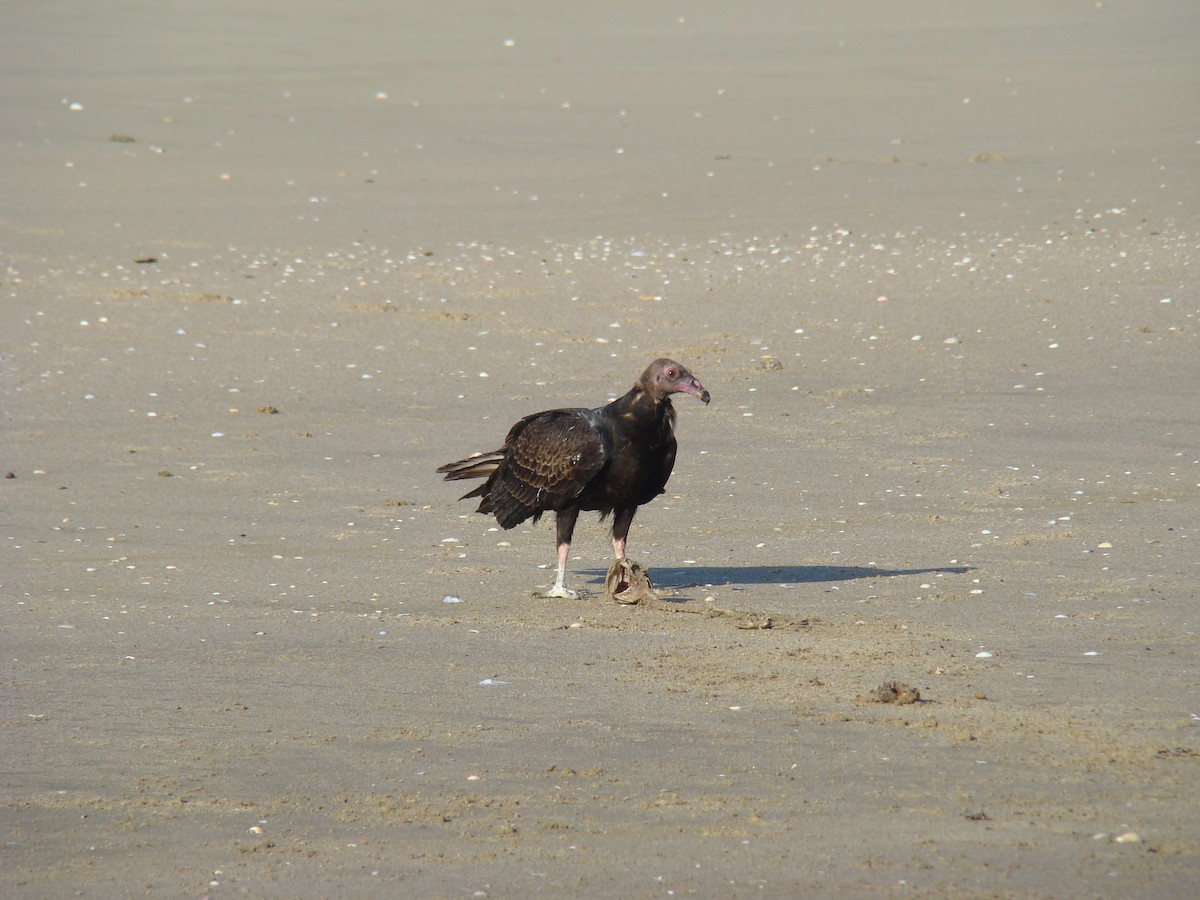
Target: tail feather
{"x": 494, "y": 497}
{"x": 480, "y": 465}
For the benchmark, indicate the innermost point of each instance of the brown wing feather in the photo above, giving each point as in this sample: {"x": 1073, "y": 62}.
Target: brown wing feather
{"x": 550, "y": 458}
{"x": 547, "y": 460}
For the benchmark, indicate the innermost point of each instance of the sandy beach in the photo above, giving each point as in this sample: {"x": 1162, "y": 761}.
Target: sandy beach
{"x": 268, "y": 265}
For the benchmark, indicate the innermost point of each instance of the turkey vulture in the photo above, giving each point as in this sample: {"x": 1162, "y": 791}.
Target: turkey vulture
{"x": 611, "y": 459}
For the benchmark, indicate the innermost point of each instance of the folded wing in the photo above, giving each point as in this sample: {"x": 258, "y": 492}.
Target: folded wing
{"x": 547, "y": 461}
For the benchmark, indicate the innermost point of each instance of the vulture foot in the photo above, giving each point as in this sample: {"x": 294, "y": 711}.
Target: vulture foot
{"x": 559, "y": 593}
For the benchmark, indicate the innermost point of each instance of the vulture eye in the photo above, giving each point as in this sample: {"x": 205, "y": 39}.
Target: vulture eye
{"x": 671, "y": 373}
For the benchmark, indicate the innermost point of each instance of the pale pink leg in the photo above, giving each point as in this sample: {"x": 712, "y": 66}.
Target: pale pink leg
{"x": 618, "y": 548}
{"x": 622, "y": 519}
{"x": 564, "y": 527}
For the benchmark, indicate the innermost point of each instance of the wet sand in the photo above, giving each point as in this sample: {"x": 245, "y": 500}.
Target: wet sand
{"x": 267, "y": 268}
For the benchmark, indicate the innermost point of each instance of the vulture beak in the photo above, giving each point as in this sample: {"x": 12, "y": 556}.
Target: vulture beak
{"x": 691, "y": 386}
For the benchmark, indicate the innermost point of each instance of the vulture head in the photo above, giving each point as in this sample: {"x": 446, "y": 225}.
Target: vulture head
{"x": 665, "y": 377}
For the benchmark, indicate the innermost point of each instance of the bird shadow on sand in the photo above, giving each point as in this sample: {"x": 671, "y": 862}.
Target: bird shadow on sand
{"x": 700, "y": 576}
